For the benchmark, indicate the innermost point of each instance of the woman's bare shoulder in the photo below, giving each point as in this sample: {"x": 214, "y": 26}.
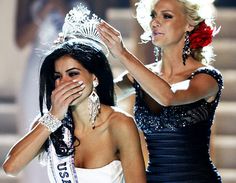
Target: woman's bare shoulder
{"x": 121, "y": 120}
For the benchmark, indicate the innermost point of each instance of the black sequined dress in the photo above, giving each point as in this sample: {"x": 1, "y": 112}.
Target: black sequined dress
{"x": 178, "y": 138}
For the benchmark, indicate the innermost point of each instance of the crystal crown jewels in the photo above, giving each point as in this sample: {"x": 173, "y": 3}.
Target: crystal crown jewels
{"x": 81, "y": 24}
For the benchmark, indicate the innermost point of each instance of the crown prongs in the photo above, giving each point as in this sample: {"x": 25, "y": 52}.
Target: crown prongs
{"x": 81, "y": 24}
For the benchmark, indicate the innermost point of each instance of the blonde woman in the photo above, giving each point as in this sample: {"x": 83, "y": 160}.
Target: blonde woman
{"x": 177, "y": 96}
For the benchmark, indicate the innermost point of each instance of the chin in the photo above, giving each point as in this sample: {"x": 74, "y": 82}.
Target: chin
{"x": 156, "y": 42}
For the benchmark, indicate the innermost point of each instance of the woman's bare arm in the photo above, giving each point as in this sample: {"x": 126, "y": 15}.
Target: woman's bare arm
{"x": 26, "y": 150}
{"x": 201, "y": 86}
{"x": 129, "y": 148}
{"x": 30, "y": 145}
{"x": 144, "y": 148}
{"x": 124, "y": 86}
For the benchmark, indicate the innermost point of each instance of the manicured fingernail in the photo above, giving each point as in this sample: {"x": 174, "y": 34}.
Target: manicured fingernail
{"x": 79, "y": 82}
{"x": 82, "y": 86}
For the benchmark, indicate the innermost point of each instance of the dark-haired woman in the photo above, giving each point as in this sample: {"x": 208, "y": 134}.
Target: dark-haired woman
{"x": 83, "y": 138}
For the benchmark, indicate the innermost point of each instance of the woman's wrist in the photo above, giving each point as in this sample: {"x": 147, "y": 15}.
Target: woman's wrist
{"x": 50, "y": 121}
{"x": 125, "y": 55}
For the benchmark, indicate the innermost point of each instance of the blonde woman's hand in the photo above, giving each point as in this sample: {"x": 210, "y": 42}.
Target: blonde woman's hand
{"x": 112, "y": 38}
{"x": 63, "y": 95}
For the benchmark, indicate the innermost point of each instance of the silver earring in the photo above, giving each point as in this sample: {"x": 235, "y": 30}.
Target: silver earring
{"x": 157, "y": 53}
{"x": 186, "y": 49}
{"x": 93, "y": 105}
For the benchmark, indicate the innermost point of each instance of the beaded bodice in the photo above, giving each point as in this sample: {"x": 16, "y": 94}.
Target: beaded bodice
{"x": 172, "y": 118}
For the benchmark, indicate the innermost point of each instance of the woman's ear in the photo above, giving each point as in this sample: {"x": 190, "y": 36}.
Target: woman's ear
{"x": 95, "y": 80}
{"x": 190, "y": 27}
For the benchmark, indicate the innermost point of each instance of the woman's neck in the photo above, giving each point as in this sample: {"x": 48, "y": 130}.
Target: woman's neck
{"x": 172, "y": 67}
{"x": 81, "y": 116}
{"x": 171, "y": 62}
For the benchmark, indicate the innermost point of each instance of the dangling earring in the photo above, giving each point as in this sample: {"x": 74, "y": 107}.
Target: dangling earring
{"x": 93, "y": 105}
{"x": 157, "y": 53}
{"x": 186, "y": 49}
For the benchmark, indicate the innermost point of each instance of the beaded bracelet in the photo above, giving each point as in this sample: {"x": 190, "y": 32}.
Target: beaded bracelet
{"x": 50, "y": 121}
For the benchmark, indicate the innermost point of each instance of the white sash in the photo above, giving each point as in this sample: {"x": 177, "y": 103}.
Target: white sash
{"x": 61, "y": 169}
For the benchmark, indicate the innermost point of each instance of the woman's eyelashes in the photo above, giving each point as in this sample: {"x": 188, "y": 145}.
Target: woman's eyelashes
{"x": 153, "y": 14}
{"x": 73, "y": 73}
{"x": 164, "y": 15}
{"x": 70, "y": 74}
{"x": 167, "y": 16}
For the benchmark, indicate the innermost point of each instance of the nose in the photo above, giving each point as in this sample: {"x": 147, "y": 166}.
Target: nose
{"x": 155, "y": 23}
{"x": 62, "y": 80}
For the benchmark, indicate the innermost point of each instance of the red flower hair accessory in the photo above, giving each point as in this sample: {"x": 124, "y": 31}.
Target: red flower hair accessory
{"x": 202, "y": 36}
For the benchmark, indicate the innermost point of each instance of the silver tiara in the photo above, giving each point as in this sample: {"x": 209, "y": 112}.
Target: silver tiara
{"x": 81, "y": 24}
